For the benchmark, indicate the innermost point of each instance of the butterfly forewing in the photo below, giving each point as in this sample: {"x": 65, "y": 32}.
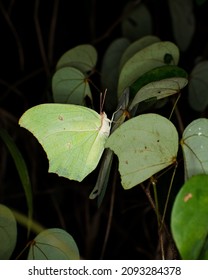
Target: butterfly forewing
{"x": 72, "y": 136}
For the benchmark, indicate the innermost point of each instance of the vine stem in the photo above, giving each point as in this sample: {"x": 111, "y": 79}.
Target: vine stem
{"x": 159, "y": 221}
{"x": 168, "y": 195}
{"x": 177, "y": 113}
{"x": 40, "y": 38}
{"x": 110, "y": 216}
{"x": 113, "y": 26}
{"x": 6, "y": 16}
{"x": 52, "y": 31}
{"x": 156, "y": 201}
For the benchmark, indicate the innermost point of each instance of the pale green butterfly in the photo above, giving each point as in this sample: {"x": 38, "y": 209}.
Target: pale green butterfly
{"x": 72, "y": 136}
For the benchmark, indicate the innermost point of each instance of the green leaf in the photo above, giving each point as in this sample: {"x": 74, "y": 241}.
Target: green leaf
{"x": 138, "y": 22}
{"x": 183, "y": 22}
{"x": 136, "y": 46}
{"x": 194, "y": 144}
{"x": 72, "y": 136}
{"x": 21, "y": 168}
{"x": 110, "y": 71}
{"x": 198, "y": 87}
{"x": 144, "y": 145}
{"x": 189, "y": 222}
{"x": 8, "y": 232}
{"x": 157, "y": 74}
{"x": 69, "y": 85}
{"x": 23, "y": 220}
{"x": 146, "y": 59}
{"x": 53, "y": 244}
{"x": 159, "y": 89}
{"x": 82, "y": 57}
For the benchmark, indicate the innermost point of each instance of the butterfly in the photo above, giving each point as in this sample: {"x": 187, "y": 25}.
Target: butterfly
{"x": 72, "y": 136}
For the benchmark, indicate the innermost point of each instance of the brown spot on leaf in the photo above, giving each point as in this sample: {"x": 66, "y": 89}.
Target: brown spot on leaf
{"x": 60, "y": 118}
{"x": 187, "y": 197}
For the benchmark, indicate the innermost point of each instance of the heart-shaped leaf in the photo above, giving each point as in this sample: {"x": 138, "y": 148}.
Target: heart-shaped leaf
{"x": 138, "y": 22}
{"x": 155, "y": 55}
{"x": 110, "y": 71}
{"x": 195, "y": 148}
{"x": 198, "y": 87}
{"x": 189, "y": 223}
{"x": 183, "y": 22}
{"x": 157, "y": 74}
{"x": 144, "y": 145}
{"x": 69, "y": 85}
{"x": 8, "y": 232}
{"x": 82, "y": 57}
{"x": 53, "y": 244}
{"x": 136, "y": 46}
{"x": 159, "y": 90}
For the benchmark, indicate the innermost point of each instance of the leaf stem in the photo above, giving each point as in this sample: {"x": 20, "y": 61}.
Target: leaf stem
{"x": 168, "y": 195}
{"x": 156, "y": 202}
{"x": 110, "y": 217}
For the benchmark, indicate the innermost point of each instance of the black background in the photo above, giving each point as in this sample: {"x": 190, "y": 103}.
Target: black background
{"x": 25, "y": 80}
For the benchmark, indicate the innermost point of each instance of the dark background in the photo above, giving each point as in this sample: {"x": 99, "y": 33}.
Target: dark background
{"x": 34, "y": 34}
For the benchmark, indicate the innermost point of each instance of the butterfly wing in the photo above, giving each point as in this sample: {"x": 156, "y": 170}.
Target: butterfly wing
{"x": 72, "y": 136}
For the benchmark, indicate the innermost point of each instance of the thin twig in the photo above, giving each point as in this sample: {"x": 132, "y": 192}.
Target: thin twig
{"x": 177, "y": 113}
{"x": 152, "y": 203}
{"x": 58, "y": 211}
{"x": 11, "y": 5}
{"x": 92, "y": 18}
{"x": 147, "y": 192}
{"x": 40, "y": 39}
{"x": 110, "y": 217}
{"x": 15, "y": 34}
{"x": 13, "y": 87}
{"x": 10, "y": 88}
{"x": 168, "y": 195}
{"x": 52, "y": 33}
{"x": 117, "y": 22}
